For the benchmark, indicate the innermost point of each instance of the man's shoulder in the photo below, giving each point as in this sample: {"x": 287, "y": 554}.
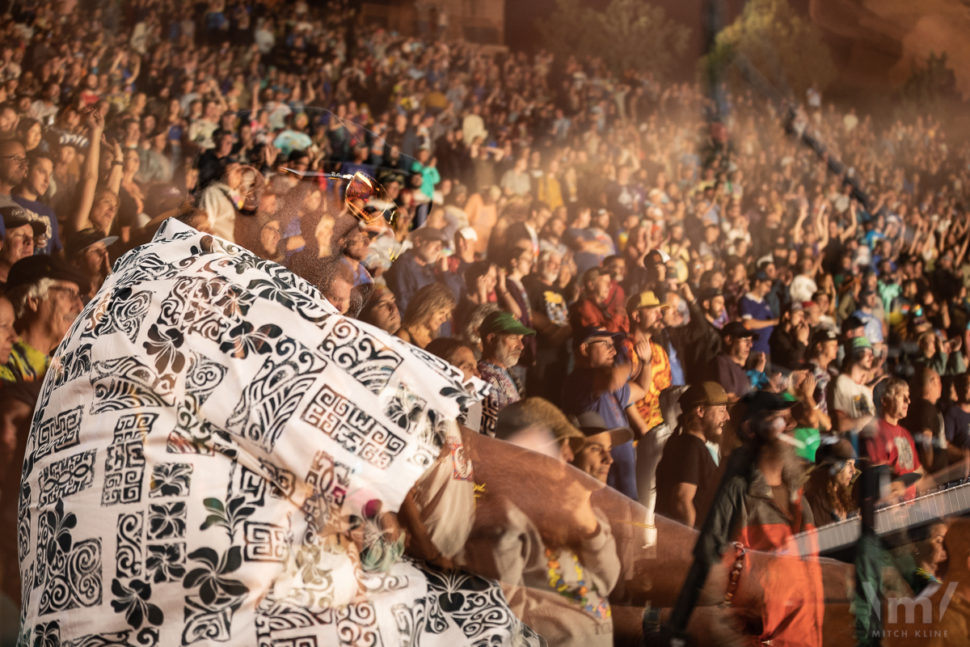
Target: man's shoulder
{"x": 682, "y": 444}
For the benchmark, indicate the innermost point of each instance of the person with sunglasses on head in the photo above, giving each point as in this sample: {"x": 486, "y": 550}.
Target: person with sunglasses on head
{"x": 46, "y": 297}
{"x": 20, "y": 230}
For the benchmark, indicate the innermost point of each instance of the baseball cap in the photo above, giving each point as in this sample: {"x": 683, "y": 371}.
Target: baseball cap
{"x": 735, "y": 329}
{"x": 646, "y": 299}
{"x": 14, "y": 217}
{"x": 851, "y": 323}
{"x": 705, "y": 394}
{"x": 83, "y": 239}
{"x": 536, "y": 410}
{"x": 427, "y": 234}
{"x": 709, "y": 293}
{"x": 821, "y": 336}
{"x": 758, "y": 402}
{"x": 591, "y": 423}
{"x": 858, "y": 344}
{"x": 31, "y": 269}
{"x": 503, "y": 323}
{"x": 834, "y": 452}
{"x": 586, "y": 333}
{"x": 760, "y": 275}
{"x": 468, "y": 233}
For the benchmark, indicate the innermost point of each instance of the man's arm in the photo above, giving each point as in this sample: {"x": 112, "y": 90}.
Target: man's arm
{"x": 758, "y": 324}
{"x": 844, "y": 422}
{"x": 685, "y": 503}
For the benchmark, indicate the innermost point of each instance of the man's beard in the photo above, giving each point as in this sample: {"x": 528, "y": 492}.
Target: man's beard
{"x": 508, "y": 358}
{"x": 550, "y": 277}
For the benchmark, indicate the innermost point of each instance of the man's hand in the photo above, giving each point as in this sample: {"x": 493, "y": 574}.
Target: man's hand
{"x": 644, "y": 350}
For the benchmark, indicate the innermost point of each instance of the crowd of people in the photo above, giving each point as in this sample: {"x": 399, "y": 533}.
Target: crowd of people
{"x": 591, "y": 246}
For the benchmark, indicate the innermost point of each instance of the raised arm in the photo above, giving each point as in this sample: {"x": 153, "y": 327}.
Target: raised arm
{"x": 80, "y": 217}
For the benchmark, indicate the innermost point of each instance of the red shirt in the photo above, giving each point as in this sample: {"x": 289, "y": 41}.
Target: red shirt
{"x": 892, "y": 445}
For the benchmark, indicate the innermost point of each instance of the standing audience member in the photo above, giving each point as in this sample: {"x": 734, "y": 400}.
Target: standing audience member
{"x": 686, "y": 473}
{"x": 599, "y": 384}
{"x": 646, "y": 319}
{"x": 729, "y": 368}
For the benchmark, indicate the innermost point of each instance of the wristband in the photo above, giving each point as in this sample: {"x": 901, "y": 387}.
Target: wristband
{"x": 734, "y": 577}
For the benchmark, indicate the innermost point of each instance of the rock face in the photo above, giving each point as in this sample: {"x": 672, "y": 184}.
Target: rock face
{"x": 877, "y": 42}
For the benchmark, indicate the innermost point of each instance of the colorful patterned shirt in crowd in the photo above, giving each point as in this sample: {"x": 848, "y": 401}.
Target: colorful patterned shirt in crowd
{"x": 26, "y": 364}
{"x": 504, "y": 391}
{"x": 649, "y": 405}
{"x": 207, "y": 434}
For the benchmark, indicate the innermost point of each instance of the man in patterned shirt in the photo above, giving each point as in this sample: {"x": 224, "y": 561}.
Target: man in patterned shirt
{"x": 646, "y": 321}
{"x": 501, "y": 347}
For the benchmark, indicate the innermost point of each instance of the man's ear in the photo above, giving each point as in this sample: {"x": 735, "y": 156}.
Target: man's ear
{"x": 33, "y": 304}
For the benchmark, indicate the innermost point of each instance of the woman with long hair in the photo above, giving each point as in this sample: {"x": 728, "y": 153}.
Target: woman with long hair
{"x": 427, "y": 311}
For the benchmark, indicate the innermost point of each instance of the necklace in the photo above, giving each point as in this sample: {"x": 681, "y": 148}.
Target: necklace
{"x": 579, "y": 592}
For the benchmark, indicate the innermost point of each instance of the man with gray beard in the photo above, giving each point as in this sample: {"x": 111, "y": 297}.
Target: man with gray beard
{"x": 502, "y": 346}
{"x": 548, "y": 301}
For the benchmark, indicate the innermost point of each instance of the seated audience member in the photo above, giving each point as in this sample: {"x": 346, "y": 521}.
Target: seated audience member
{"x": 457, "y": 353}
{"x": 380, "y": 310}
{"x": 501, "y": 335}
{"x": 686, "y": 475}
{"x": 428, "y": 310}
{"x": 46, "y": 296}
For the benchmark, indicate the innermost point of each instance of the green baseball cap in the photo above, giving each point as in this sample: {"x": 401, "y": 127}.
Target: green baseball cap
{"x": 503, "y": 323}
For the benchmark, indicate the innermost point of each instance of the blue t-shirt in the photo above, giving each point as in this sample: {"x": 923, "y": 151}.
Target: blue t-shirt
{"x": 45, "y": 212}
{"x": 759, "y": 311}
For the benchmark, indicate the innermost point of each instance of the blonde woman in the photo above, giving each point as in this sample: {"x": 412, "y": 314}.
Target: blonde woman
{"x": 427, "y": 311}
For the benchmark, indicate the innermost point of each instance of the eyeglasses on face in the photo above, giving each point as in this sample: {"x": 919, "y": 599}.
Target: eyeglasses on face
{"x": 72, "y": 293}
